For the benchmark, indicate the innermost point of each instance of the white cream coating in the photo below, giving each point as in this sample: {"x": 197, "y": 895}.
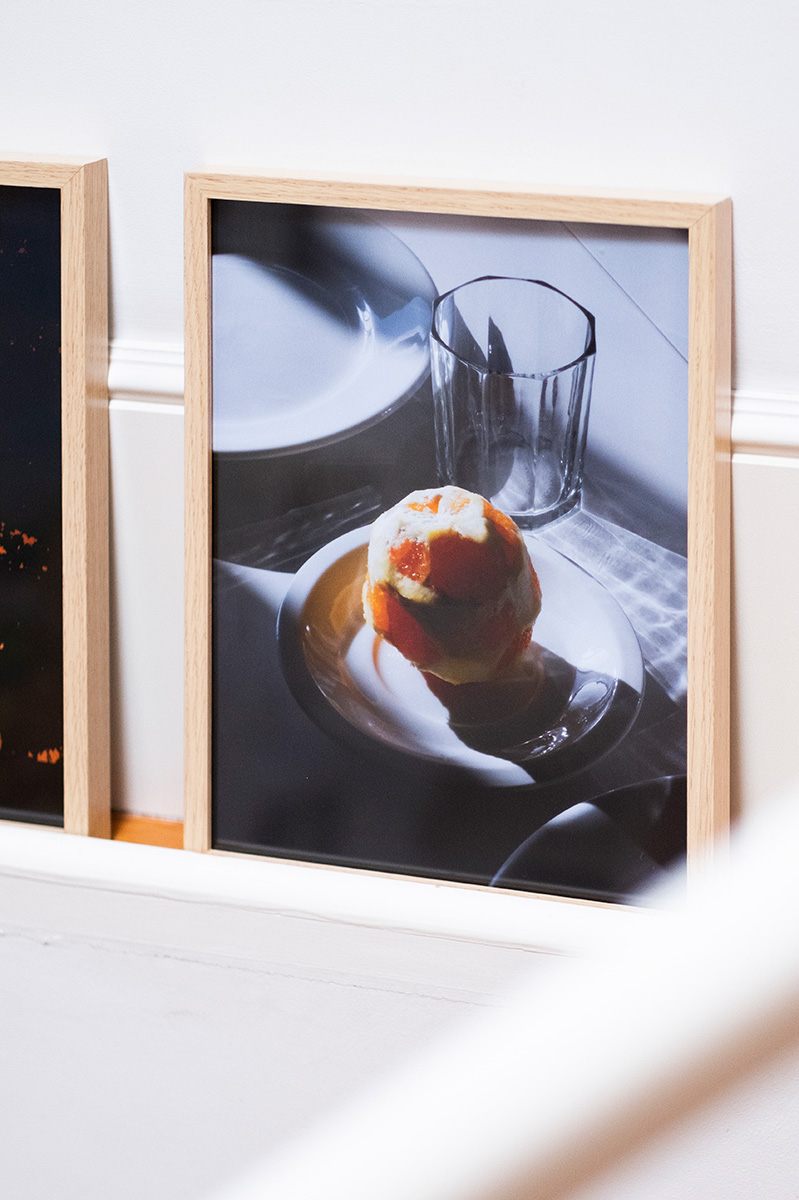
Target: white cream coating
{"x": 401, "y": 523}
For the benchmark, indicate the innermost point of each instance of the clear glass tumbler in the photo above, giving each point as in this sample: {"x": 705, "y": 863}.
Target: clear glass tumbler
{"x": 512, "y": 366}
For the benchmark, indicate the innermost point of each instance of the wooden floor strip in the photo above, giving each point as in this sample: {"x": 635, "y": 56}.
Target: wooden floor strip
{"x": 147, "y": 831}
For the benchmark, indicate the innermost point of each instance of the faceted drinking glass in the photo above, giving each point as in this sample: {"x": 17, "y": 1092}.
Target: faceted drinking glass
{"x": 512, "y": 365}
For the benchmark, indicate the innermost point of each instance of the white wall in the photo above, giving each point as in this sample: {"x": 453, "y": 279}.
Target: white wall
{"x": 688, "y": 95}
{"x": 681, "y": 95}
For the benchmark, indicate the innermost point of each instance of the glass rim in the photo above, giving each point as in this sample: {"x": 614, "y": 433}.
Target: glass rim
{"x": 589, "y": 351}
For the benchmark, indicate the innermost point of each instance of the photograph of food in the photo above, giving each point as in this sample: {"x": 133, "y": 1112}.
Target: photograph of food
{"x": 31, "y": 659}
{"x": 449, "y": 499}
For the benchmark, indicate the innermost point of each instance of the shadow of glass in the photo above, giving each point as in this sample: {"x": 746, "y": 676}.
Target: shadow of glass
{"x": 549, "y": 717}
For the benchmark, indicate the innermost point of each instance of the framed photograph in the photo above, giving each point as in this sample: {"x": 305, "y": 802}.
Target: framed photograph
{"x": 458, "y": 475}
{"x": 54, "y": 700}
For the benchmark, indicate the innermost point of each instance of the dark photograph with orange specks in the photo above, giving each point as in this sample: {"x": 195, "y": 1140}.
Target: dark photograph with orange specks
{"x": 31, "y": 666}
{"x": 449, "y": 534}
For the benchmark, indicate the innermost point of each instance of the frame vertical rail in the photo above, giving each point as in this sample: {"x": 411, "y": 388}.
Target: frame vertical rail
{"x": 197, "y": 816}
{"x": 87, "y": 786}
{"x": 709, "y": 506}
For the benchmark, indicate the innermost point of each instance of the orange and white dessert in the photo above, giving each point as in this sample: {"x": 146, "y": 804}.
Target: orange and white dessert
{"x": 451, "y": 586}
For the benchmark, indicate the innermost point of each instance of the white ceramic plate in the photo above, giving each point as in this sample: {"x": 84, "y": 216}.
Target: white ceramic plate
{"x": 321, "y": 330}
{"x": 357, "y": 686}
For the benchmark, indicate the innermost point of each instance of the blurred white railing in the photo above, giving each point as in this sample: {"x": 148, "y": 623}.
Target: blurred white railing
{"x": 586, "y": 1062}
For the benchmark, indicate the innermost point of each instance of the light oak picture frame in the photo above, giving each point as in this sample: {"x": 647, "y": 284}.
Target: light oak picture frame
{"x": 82, "y": 188}
{"x": 707, "y": 224}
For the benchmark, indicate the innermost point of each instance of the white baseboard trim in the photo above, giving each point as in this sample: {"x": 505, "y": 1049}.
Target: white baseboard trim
{"x": 762, "y": 423}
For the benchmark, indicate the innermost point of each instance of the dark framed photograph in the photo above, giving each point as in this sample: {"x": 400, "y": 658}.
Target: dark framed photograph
{"x": 54, "y": 701}
{"x": 458, "y": 475}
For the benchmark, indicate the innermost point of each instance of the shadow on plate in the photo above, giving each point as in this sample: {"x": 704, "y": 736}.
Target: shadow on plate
{"x": 549, "y": 717}
{"x": 613, "y": 848}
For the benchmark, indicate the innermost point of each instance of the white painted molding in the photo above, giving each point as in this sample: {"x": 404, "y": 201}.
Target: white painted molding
{"x": 326, "y": 895}
{"x": 146, "y": 371}
{"x": 763, "y": 422}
